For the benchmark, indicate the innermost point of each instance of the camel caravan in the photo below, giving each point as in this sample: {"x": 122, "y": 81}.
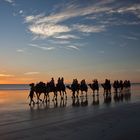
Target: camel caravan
{"x": 45, "y": 89}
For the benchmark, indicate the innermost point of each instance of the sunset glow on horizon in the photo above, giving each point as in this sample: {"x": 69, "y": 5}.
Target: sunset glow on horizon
{"x": 80, "y": 39}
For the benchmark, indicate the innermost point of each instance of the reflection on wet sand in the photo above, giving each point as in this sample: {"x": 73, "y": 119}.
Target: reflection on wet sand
{"x": 123, "y": 95}
{"x": 95, "y": 100}
{"x": 84, "y": 100}
{"x": 80, "y": 101}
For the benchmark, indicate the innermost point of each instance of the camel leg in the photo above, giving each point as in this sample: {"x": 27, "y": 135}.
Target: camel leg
{"x": 65, "y": 94}
{"x": 45, "y": 97}
{"x": 93, "y": 92}
{"x": 62, "y": 95}
{"x": 37, "y": 98}
{"x": 55, "y": 95}
{"x": 73, "y": 94}
{"x": 97, "y": 92}
{"x": 86, "y": 94}
{"x": 30, "y": 102}
{"x": 77, "y": 94}
{"x": 48, "y": 97}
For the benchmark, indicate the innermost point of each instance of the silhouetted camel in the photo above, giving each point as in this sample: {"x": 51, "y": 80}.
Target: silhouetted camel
{"x": 116, "y": 86}
{"x": 61, "y": 88}
{"x": 39, "y": 89}
{"x": 83, "y": 87}
{"x": 46, "y": 89}
{"x": 52, "y": 88}
{"x": 95, "y": 87}
{"x": 107, "y": 87}
{"x": 74, "y": 89}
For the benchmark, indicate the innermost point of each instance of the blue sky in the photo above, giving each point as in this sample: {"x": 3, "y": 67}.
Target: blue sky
{"x": 71, "y": 38}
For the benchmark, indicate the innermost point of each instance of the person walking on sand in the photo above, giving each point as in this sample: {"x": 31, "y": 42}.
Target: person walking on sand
{"x": 31, "y": 94}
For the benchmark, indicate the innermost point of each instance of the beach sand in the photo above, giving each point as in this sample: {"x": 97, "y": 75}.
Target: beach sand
{"x": 121, "y": 122}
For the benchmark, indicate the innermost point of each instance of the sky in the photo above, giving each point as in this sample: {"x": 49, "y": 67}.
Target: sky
{"x": 84, "y": 39}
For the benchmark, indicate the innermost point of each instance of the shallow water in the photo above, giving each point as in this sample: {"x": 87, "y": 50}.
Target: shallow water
{"x": 11, "y": 99}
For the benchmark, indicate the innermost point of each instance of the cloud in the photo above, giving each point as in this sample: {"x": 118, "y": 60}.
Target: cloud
{"x": 59, "y": 41}
{"x": 89, "y": 28}
{"x": 20, "y": 50}
{"x": 66, "y": 13}
{"x": 92, "y": 10}
{"x": 72, "y": 47}
{"x": 129, "y": 37}
{"x": 31, "y": 73}
{"x": 42, "y": 47}
{"x": 51, "y": 25}
{"x": 6, "y": 75}
{"x": 91, "y": 17}
{"x": 67, "y": 36}
{"x": 21, "y": 12}
{"x": 10, "y": 1}
{"x": 135, "y": 8}
{"x": 32, "y": 18}
{"x": 48, "y": 30}
{"x": 104, "y": 13}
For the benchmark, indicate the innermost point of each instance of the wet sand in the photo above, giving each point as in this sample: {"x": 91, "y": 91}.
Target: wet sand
{"x": 121, "y": 122}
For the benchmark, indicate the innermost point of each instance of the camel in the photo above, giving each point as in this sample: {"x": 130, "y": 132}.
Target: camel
{"x": 95, "y": 87}
{"x": 75, "y": 87}
{"x": 62, "y": 90}
{"x": 107, "y": 87}
{"x": 83, "y": 87}
{"x": 40, "y": 88}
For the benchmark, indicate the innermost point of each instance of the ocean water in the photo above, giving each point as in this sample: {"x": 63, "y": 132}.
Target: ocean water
{"x": 14, "y": 87}
{"x": 15, "y": 97}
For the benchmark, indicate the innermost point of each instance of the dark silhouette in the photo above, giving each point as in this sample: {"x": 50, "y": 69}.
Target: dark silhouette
{"x": 75, "y": 87}
{"x": 116, "y": 86}
{"x": 52, "y": 88}
{"x": 121, "y": 85}
{"x": 107, "y": 87}
{"x": 60, "y": 87}
{"x": 127, "y": 84}
{"x": 94, "y": 86}
{"x": 122, "y": 92}
{"x": 31, "y": 94}
{"x": 107, "y": 91}
{"x": 39, "y": 89}
{"x": 83, "y": 87}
